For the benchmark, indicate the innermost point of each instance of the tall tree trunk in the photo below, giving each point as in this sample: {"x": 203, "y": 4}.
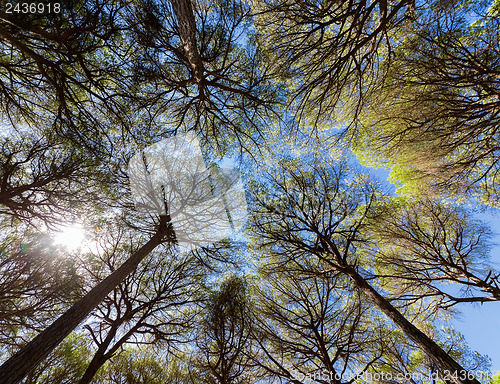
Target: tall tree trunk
{"x": 183, "y": 10}
{"x": 96, "y": 363}
{"x": 19, "y": 365}
{"x": 443, "y": 360}
{"x": 100, "y": 356}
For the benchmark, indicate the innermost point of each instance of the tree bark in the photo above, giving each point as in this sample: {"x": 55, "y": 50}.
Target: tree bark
{"x": 96, "y": 363}
{"x": 434, "y": 352}
{"x": 19, "y": 365}
{"x": 102, "y": 356}
{"x": 99, "y": 358}
{"x": 183, "y": 10}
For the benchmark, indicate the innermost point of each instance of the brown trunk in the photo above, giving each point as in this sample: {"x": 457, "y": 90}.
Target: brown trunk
{"x": 443, "y": 360}
{"x": 19, "y": 365}
{"x": 97, "y": 362}
{"x": 183, "y": 10}
{"x": 100, "y": 357}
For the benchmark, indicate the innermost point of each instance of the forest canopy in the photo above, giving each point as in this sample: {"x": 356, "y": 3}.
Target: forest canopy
{"x": 336, "y": 276}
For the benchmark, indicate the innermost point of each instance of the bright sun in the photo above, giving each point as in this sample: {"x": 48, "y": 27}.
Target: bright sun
{"x": 70, "y": 237}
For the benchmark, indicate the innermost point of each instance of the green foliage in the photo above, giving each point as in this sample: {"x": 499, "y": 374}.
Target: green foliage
{"x": 65, "y": 364}
{"x": 495, "y": 379}
{"x": 327, "y": 53}
{"x": 293, "y": 86}
{"x": 224, "y": 343}
{"x": 143, "y": 366}
{"x": 432, "y": 120}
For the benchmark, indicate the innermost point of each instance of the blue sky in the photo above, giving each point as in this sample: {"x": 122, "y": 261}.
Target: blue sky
{"x": 480, "y": 324}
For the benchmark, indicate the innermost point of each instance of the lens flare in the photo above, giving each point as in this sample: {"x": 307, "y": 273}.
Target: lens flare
{"x": 71, "y": 237}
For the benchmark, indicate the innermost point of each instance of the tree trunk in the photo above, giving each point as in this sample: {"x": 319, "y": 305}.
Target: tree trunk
{"x": 97, "y": 362}
{"x": 183, "y": 10}
{"x": 443, "y": 360}
{"x": 19, "y": 365}
{"x": 100, "y": 356}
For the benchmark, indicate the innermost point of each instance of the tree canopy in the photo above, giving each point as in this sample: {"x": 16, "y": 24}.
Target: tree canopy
{"x": 335, "y": 277}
